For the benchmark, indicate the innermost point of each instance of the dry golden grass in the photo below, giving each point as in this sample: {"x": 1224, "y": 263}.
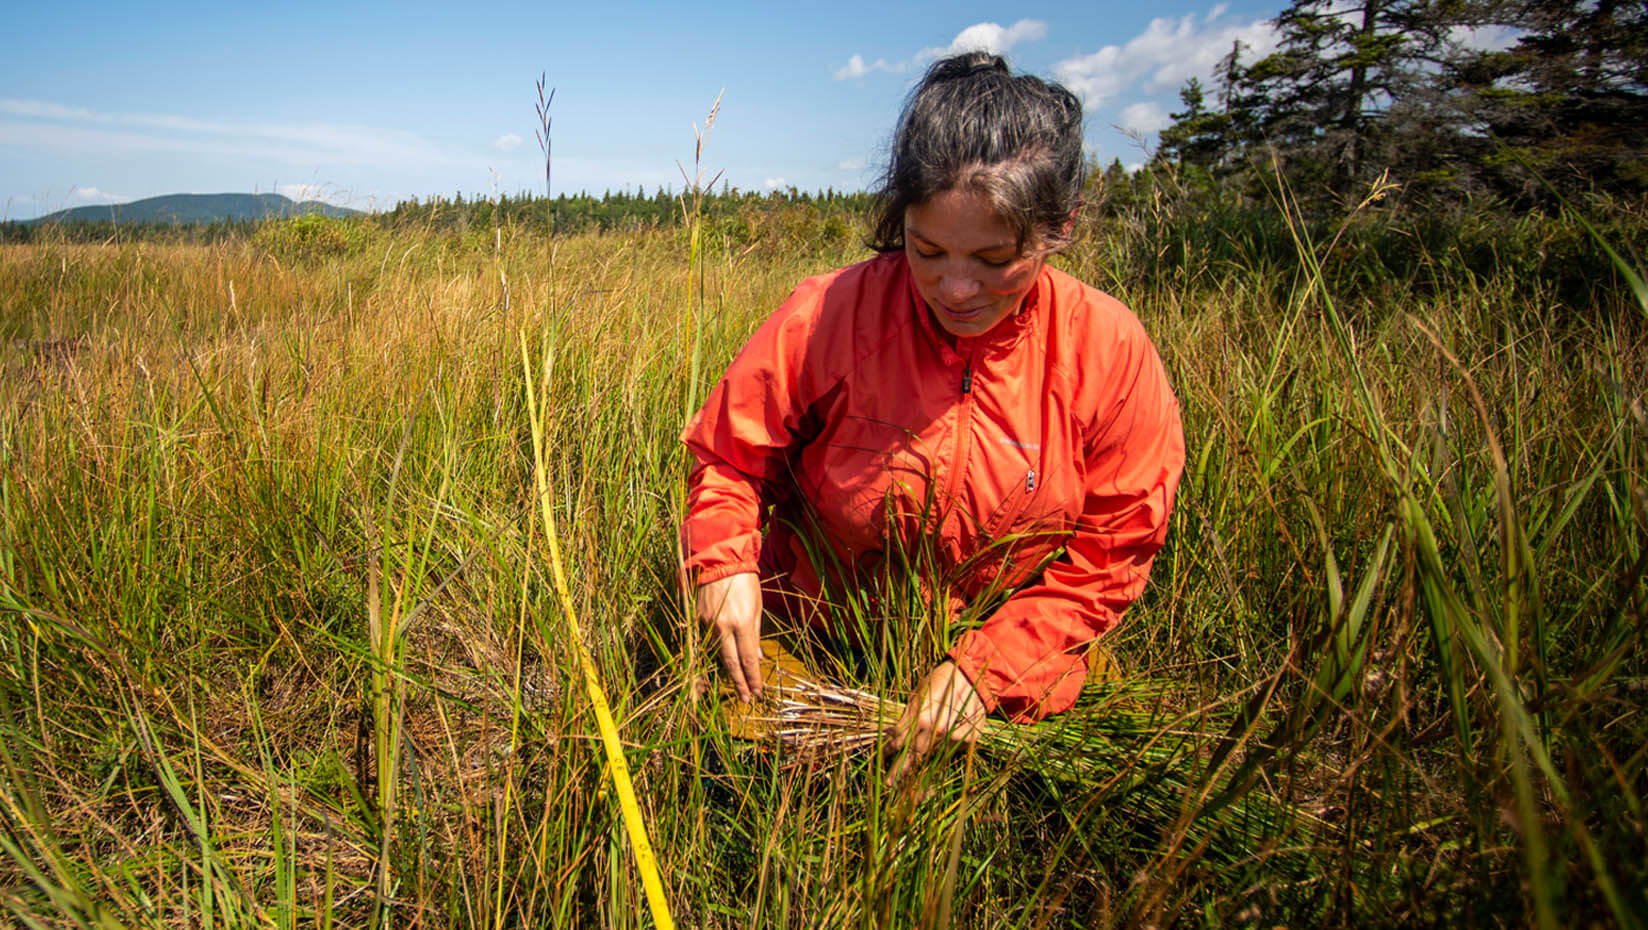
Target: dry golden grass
{"x": 206, "y": 452}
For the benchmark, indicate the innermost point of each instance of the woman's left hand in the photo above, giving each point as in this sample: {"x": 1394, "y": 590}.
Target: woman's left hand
{"x": 943, "y": 706}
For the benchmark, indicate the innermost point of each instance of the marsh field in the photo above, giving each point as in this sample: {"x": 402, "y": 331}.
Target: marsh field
{"x": 283, "y": 644}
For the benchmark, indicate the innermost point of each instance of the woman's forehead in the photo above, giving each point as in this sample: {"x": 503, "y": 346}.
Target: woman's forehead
{"x": 960, "y": 218}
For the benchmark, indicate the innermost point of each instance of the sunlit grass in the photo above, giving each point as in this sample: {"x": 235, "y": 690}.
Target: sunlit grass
{"x": 282, "y": 646}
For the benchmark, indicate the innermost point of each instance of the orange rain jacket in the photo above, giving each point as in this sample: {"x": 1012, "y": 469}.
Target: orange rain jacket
{"x": 1054, "y": 433}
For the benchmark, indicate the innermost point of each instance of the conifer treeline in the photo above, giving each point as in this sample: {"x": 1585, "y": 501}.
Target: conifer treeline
{"x": 612, "y": 211}
{"x": 620, "y": 211}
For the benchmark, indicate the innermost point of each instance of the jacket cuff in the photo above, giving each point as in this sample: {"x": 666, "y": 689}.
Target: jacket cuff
{"x": 1052, "y": 687}
{"x": 973, "y": 654}
{"x": 707, "y": 575}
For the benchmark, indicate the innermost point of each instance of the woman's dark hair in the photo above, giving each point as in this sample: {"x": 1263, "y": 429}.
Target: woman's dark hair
{"x": 973, "y": 124}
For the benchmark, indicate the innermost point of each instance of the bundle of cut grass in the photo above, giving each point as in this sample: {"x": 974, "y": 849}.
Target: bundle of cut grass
{"x": 1124, "y": 749}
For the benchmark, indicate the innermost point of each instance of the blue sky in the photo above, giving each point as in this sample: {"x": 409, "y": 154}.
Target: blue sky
{"x": 104, "y": 102}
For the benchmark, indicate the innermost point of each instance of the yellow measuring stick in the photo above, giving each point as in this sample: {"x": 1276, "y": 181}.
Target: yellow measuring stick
{"x": 645, "y": 862}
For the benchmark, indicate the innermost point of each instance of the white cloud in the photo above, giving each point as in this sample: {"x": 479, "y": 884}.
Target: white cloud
{"x": 43, "y": 109}
{"x": 1168, "y": 53}
{"x": 987, "y": 37}
{"x": 1486, "y": 38}
{"x": 850, "y": 165}
{"x": 1146, "y": 117}
{"x": 302, "y": 192}
{"x": 774, "y": 184}
{"x": 508, "y": 142}
{"x": 856, "y": 68}
{"x": 89, "y": 194}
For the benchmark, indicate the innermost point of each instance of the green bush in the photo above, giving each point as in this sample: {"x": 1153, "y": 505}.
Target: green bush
{"x": 312, "y": 236}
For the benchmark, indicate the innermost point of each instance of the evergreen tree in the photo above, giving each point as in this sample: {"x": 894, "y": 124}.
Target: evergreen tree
{"x": 1198, "y": 137}
{"x": 1324, "y": 97}
{"x": 1570, "y": 98}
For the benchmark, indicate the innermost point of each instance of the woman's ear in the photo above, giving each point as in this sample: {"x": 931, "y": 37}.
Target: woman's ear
{"x": 1070, "y": 221}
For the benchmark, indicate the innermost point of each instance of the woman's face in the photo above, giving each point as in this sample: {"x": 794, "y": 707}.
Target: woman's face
{"x": 966, "y": 262}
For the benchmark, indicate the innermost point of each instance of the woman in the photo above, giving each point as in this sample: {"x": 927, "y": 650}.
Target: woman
{"x": 955, "y": 392}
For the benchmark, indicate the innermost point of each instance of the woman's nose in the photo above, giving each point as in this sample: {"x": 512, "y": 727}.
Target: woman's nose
{"x": 957, "y": 288}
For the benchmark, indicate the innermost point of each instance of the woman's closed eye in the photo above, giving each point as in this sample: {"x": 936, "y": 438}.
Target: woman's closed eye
{"x": 987, "y": 262}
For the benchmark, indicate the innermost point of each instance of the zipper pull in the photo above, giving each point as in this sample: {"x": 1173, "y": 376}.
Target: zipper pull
{"x": 967, "y": 378}
{"x": 1030, "y": 480}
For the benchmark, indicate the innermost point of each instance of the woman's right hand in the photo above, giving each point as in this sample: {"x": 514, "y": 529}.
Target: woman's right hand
{"x": 733, "y": 605}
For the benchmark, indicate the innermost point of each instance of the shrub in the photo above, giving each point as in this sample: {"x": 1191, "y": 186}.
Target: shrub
{"x": 312, "y": 236}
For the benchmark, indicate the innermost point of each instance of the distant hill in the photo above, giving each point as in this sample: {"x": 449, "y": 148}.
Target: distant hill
{"x": 196, "y": 208}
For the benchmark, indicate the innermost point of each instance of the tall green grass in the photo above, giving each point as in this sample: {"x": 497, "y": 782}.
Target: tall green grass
{"x": 282, "y": 648}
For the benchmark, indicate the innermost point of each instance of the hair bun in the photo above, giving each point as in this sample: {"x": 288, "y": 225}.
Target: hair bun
{"x": 968, "y": 64}
{"x": 986, "y": 62}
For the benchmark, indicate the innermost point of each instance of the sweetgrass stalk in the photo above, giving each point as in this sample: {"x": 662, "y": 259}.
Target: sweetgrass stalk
{"x": 1122, "y": 741}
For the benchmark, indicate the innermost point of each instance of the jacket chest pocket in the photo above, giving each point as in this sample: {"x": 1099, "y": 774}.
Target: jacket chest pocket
{"x": 1020, "y": 499}
{"x": 1040, "y": 486}
{"x": 1039, "y": 507}
{"x": 1023, "y": 532}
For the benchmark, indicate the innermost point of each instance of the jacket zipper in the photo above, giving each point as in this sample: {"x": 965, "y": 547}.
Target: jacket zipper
{"x": 963, "y": 427}
{"x": 1014, "y": 505}
{"x": 964, "y": 419}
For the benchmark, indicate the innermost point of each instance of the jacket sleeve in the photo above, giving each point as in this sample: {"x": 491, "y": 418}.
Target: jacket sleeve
{"x": 742, "y": 439}
{"x": 1028, "y": 659}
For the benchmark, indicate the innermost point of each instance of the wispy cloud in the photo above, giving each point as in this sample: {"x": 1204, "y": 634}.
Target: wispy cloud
{"x": 1168, "y": 53}
{"x": 45, "y": 110}
{"x": 850, "y": 165}
{"x": 508, "y": 142}
{"x": 59, "y": 126}
{"x": 986, "y": 37}
{"x": 1146, "y": 117}
{"x": 329, "y": 193}
{"x": 90, "y": 194}
{"x": 857, "y": 68}
{"x": 773, "y": 184}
